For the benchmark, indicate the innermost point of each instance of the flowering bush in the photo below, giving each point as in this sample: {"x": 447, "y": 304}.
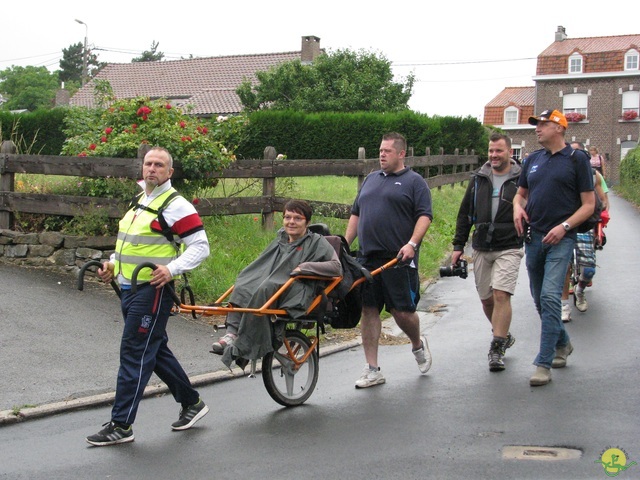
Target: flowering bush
{"x": 575, "y": 117}
{"x": 629, "y": 115}
{"x": 118, "y": 130}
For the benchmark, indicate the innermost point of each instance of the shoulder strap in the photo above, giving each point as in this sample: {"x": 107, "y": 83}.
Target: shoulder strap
{"x": 473, "y": 200}
{"x": 166, "y": 231}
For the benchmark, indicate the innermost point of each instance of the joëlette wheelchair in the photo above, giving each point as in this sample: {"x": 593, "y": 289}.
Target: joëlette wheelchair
{"x": 289, "y": 373}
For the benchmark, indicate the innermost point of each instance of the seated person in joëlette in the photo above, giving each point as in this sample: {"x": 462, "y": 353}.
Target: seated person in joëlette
{"x": 295, "y": 250}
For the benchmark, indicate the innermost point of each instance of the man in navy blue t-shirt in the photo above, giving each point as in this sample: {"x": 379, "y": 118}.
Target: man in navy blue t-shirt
{"x": 390, "y": 216}
{"x": 555, "y": 195}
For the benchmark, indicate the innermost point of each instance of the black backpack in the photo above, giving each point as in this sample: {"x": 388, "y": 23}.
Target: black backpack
{"x": 591, "y": 222}
{"x": 342, "y": 307}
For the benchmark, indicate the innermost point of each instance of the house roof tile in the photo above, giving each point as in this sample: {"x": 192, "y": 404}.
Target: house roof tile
{"x": 619, "y": 43}
{"x": 519, "y": 96}
{"x": 207, "y": 83}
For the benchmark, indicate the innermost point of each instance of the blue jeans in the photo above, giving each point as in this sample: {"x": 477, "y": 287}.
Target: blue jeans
{"x": 547, "y": 266}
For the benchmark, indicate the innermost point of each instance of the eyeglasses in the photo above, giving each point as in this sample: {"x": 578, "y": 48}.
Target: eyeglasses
{"x": 294, "y": 218}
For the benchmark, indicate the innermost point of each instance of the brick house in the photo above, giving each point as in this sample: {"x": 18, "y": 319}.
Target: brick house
{"x": 596, "y": 77}
{"x": 208, "y": 84}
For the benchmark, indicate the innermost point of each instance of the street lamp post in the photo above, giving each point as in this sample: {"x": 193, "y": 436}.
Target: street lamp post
{"x": 85, "y": 53}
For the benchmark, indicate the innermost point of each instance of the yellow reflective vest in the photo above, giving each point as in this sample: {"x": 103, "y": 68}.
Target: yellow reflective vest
{"x": 138, "y": 243}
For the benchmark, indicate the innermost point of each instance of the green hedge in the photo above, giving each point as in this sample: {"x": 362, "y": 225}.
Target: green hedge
{"x": 629, "y": 186}
{"x": 38, "y": 133}
{"x": 339, "y": 135}
{"x": 295, "y": 134}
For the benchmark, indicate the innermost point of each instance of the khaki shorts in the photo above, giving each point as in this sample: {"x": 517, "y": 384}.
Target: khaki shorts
{"x": 496, "y": 270}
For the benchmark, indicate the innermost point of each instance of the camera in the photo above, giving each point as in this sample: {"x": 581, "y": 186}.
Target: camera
{"x": 458, "y": 270}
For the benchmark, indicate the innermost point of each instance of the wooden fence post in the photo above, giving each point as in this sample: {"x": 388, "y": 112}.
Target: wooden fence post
{"x": 362, "y": 155}
{"x": 7, "y": 184}
{"x": 269, "y": 190}
{"x": 456, "y": 152}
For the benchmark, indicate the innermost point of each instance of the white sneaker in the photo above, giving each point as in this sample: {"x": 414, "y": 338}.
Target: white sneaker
{"x": 222, "y": 343}
{"x": 581, "y": 301}
{"x": 423, "y": 356}
{"x": 370, "y": 377}
{"x": 566, "y": 312}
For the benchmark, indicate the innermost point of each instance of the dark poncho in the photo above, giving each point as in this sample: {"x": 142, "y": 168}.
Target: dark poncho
{"x": 264, "y": 276}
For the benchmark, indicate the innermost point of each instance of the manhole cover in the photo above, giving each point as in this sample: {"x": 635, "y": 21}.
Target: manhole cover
{"x": 520, "y": 452}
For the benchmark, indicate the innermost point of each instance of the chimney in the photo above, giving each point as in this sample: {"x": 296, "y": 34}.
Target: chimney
{"x": 62, "y": 97}
{"x": 310, "y": 49}
{"x": 561, "y": 34}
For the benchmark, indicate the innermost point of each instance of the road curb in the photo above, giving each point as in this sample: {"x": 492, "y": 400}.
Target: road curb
{"x": 8, "y": 417}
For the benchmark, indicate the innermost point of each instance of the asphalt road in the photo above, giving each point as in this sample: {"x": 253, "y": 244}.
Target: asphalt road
{"x": 459, "y": 421}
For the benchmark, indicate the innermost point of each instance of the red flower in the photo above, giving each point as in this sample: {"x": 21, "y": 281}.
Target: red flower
{"x": 143, "y": 111}
{"x": 82, "y": 154}
{"x": 103, "y": 139}
{"x": 134, "y": 126}
{"x": 168, "y": 106}
{"x": 183, "y": 124}
{"x": 108, "y": 130}
{"x": 195, "y": 201}
{"x": 92, "y": 146}
{"x": 144, "y": 117}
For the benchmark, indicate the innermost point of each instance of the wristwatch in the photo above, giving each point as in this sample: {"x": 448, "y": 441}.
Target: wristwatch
{"x": 566, "y": 226}
{"x": 413, "y": 244}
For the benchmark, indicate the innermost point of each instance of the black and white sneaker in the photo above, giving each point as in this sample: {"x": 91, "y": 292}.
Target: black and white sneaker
{"x": 190, "y": 415}
{"x": 496, "y": 352}
{"x": 112, "y": 434}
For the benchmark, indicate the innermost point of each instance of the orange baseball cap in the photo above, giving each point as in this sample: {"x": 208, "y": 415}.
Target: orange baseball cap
{"x": 550, "y": 116}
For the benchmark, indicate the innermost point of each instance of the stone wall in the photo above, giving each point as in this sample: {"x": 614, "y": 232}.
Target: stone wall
{"x": 53, "y": 249}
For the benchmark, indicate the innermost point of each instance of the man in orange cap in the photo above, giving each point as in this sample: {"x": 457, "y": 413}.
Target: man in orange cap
{"x": 555, "y": 195}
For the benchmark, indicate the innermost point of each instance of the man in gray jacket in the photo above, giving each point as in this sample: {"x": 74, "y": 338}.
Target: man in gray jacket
{"x": 497, "y": 249}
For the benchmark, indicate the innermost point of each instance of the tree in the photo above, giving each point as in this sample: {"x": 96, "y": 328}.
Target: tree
{"x": 72, "y": 62}
{"x": 344, "y": 81}
{"x": 28, "y": 87}
{"x": 150, "y": 55}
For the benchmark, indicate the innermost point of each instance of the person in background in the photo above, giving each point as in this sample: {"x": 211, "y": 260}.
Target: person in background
{"x": 597, "y": 161}
{"x": 487, "y": 206}
{"x": 390, "y": 216}
{"x": 585, "y": 249}
{"x": 555, "y": 194}
{"x": 144, "y": 347}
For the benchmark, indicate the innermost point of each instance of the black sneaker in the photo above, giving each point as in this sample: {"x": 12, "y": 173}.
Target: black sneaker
{"x": 496, "y": 363}
{"x": 190, "y": 415}
{"x": 111, "y": 435}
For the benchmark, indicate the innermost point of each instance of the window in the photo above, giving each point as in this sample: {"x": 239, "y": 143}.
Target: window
{"x": 631, "y": 60}
{"x": 630, "y": 105}
{"x": 575, "y": 63}
{"x": 516, "y": 152}
{"x": 575, "y": 103}
{"x": 511, "y": 116}
{"x": 625, "y": 147}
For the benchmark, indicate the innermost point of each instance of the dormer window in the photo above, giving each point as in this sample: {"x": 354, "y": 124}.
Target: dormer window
{"x": 575, "y": 63}
{"x": 631, "y": 60}
{"x": 511, "y": 116}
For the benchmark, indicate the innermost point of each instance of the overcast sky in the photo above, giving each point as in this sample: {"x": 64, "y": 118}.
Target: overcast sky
{"x": 463, "y": 52}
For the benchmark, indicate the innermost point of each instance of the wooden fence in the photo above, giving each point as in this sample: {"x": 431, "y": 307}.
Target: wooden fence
{"x": 268, "y": 169}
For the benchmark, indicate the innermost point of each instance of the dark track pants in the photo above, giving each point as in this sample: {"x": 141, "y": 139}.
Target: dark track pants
{"x": 144, "y": 350}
